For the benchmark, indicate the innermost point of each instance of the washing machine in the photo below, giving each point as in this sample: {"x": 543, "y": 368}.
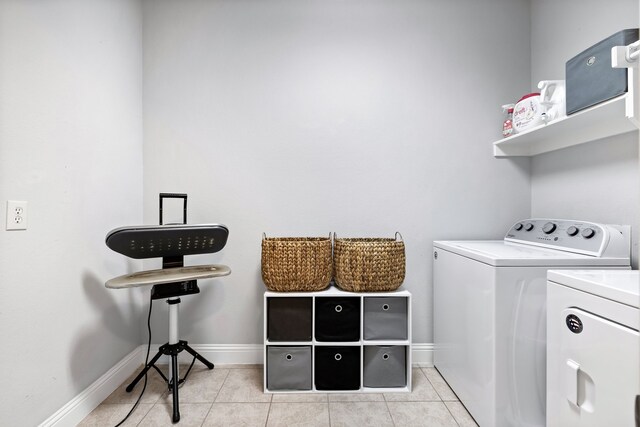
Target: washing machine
{"x": 490, "y": 311}
{"x": 593, "y": 348}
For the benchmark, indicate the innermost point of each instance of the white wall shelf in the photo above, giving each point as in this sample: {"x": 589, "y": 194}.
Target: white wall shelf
{"x": 613, "y": 117}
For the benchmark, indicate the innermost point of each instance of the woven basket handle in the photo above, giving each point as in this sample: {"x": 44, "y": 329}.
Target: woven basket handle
{"x": 335, "y": 236}
{"x": 398, "y": 234}
{"x": 264, "y": 235}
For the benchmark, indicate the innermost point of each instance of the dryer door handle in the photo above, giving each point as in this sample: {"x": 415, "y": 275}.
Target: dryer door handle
{"x": 571, "y": 371}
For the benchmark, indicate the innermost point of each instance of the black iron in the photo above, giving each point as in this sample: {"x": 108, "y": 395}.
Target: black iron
{"x": 170, "y": 242}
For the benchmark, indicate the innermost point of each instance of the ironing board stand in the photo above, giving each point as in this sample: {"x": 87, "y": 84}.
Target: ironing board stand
{"x": 172, "y": 348}
{"x": 170, "y": 242}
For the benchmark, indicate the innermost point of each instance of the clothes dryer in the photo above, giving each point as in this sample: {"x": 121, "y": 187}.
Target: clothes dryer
{"x": 593, "y": 348}
{"x": 490, "y": 311}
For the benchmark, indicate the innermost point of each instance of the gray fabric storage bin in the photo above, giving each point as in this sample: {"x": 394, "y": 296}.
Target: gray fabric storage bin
{"x": 288, "y": 368}
{"x": 385, "y": 318}
{"x": 385, "y": 366}
{"x": 590, "y": 79}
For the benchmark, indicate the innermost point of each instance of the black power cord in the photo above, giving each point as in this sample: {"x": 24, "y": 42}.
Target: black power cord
{"x": 146, "y": 360}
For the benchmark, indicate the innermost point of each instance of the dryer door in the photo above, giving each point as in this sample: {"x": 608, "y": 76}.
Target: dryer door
{"x": 599, "y": 372}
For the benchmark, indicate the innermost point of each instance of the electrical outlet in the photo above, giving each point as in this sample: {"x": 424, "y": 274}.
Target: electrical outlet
{"x": 16, "y": 215}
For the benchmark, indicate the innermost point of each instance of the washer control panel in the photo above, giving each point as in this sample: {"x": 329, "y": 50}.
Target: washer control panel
{"x": 573, "y": 236}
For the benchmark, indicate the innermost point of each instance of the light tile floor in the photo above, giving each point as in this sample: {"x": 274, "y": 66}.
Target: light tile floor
{"x": 231, "y": 395}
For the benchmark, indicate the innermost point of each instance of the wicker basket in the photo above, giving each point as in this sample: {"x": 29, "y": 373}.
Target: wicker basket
{"x": 369, "y": 264}
{"x": 296, "y": 264}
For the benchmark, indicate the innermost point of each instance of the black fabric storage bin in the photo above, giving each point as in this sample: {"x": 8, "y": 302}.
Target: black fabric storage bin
{"x": 289, "y": 318}
{"x": 288, "y": 368}
{"x": 385, "y": 318}
{"x": 337, "y": 368}
{"x": 590, "y": 79}
{"x": 338, "y": 319}
{"x": 385, "y": 366}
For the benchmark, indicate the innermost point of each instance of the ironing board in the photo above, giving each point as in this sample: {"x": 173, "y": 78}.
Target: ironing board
{"x": 167, "y": 275}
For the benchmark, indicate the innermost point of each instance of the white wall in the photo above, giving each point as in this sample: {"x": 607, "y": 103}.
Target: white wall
{"x": 290, "y": 117}
{"x": 597, "y": 181}
{"x": 70, "y": 145}
{"x": 306, "y": 117}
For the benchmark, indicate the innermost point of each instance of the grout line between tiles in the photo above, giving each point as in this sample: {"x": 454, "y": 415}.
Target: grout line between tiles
{"x": 432, "y": 385}
{"x": 451, "y": 413}
{"x": 207, "y": 414}
{"x": 268, "y": 413}
{"x": 222, "y": 385}
{"x": 436, "y": 390}
{"x": 215, "y": 397}
{"x": 389, "y": 410}
{"x": 145, "y": 414}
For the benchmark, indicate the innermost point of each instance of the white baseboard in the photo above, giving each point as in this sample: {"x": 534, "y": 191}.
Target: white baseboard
{"x": 82, "y": 405}
{"x": 422, "y": 354}
{"x": 242, "y": 354}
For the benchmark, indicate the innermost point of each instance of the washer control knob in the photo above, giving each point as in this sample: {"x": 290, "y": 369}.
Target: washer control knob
{"x": 549, "y": 228}
{"x": 528, "y": 227}
{"x": 573, "y": 230}
{"x": 518, "y": 226}
{"x": 588, "y": 233}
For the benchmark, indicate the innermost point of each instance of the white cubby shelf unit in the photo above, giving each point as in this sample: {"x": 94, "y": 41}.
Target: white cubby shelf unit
{"x": 302, "y": 354}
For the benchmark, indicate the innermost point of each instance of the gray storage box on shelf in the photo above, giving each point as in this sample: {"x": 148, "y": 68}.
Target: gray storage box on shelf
{"x": 296, "y": 264}
{"x": 385, "y": 366}
{"x": 590, "y": 79}
{"x": 289, "y": 368}
{"x": 385, "y": 318}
